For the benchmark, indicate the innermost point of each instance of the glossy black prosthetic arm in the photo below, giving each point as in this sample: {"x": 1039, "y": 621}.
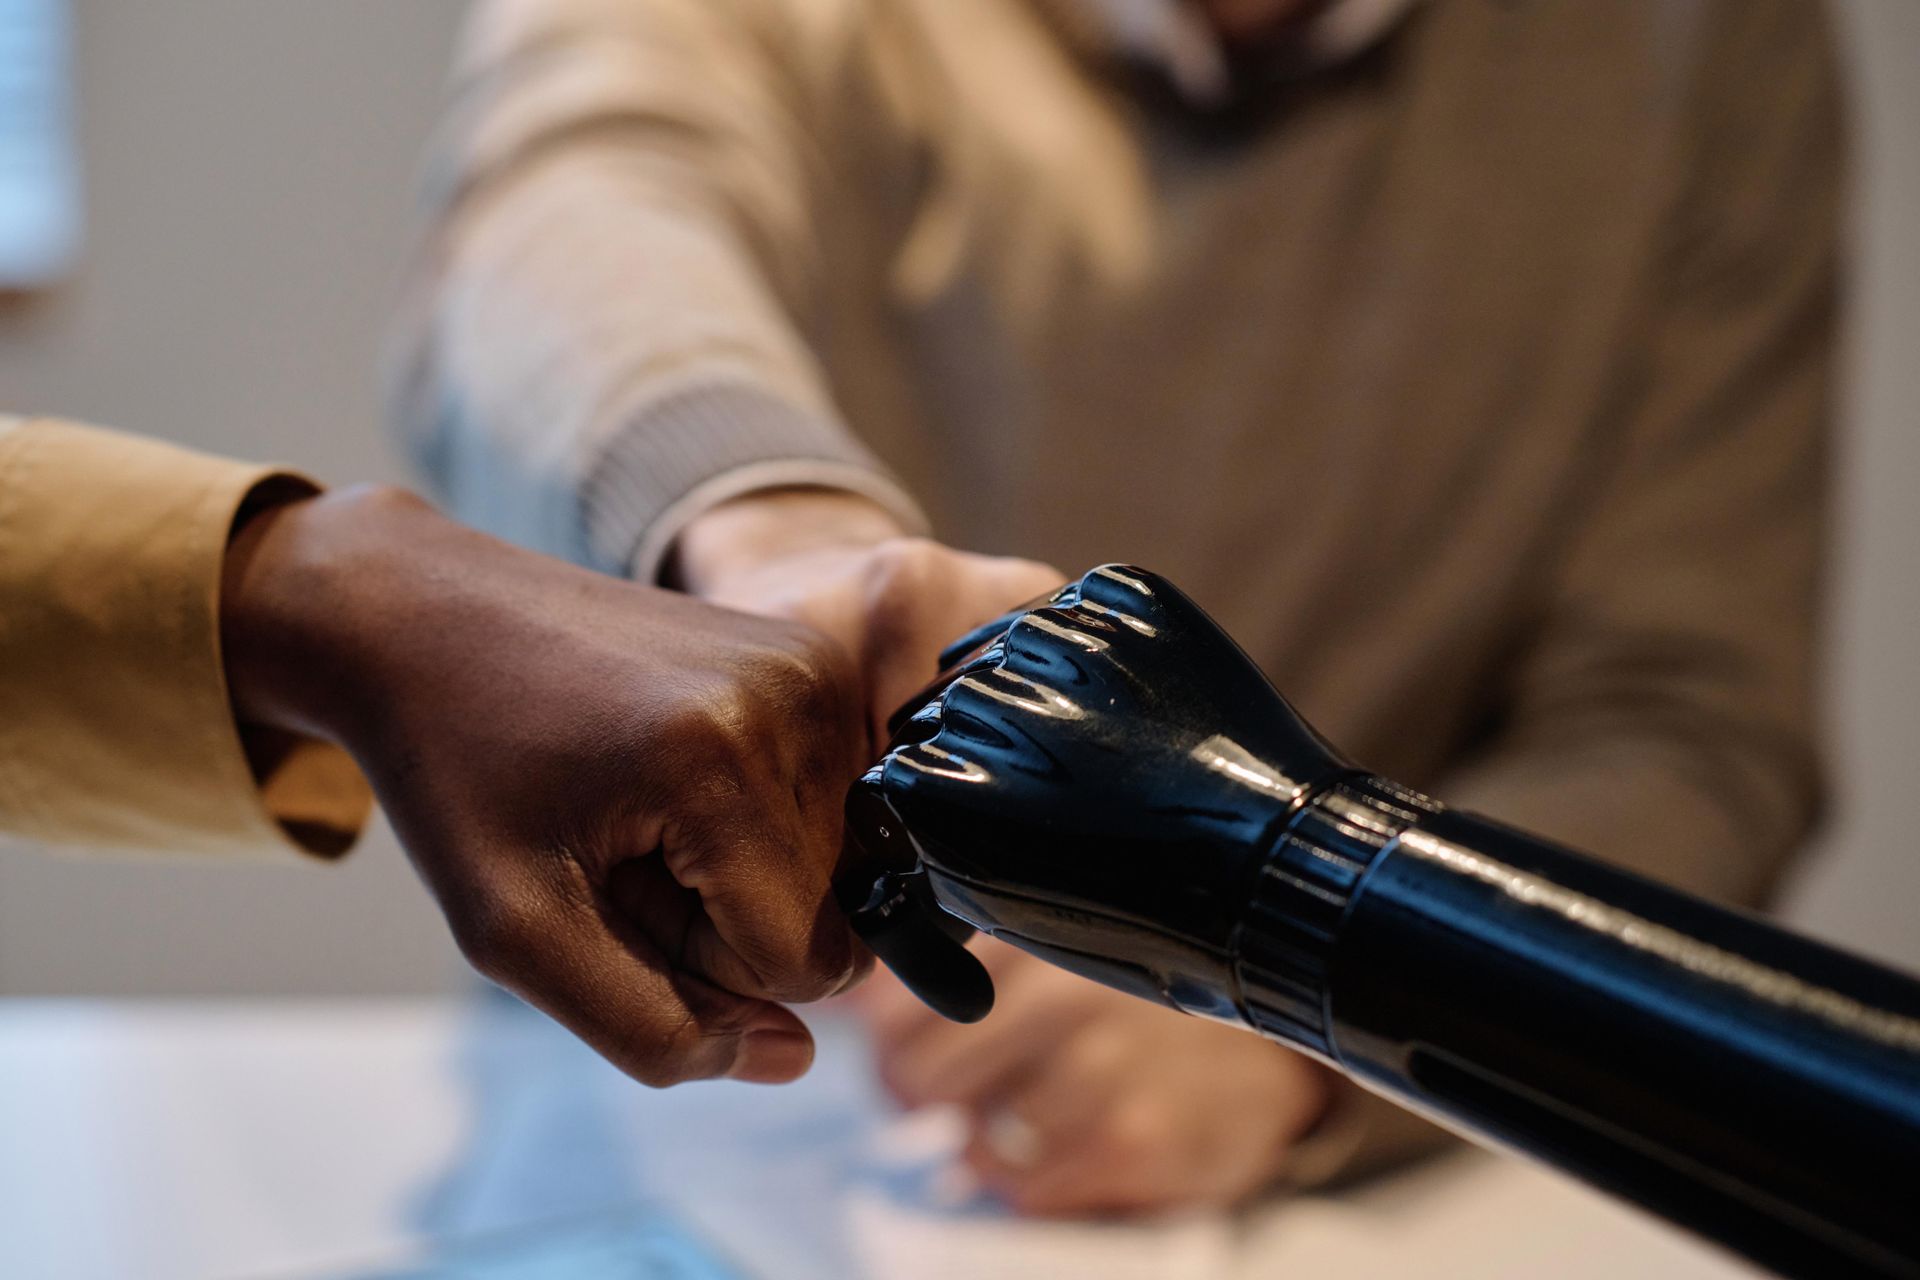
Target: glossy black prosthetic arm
{"x": 1742, "y": 1081}
{"x": 1109, "y": 783}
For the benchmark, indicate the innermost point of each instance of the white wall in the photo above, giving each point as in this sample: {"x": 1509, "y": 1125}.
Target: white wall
{"x": 248, "y": 164}
{"x": 249, "y": 168}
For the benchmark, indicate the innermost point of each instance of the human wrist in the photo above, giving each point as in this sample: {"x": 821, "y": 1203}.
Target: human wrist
{"x": 745, "y": 535}
{"x": 308, "y": 595}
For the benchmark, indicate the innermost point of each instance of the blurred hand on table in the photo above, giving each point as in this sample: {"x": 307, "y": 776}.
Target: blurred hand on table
{"x": 1082, "y": 1100}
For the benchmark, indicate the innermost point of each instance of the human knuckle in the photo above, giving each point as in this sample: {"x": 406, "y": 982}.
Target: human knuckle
{"x": 657, "y": 1055}
{"x": 497, "y": 936}
{"x": 703, "y": 731}
{"x": 655, "y": 1064}
{"x": 783, "y": 980}
{"x": 828, "y": 673}
{"x": 802, "y": 673}
{"x": 804, "y": 981}
{"x": 839, "y": 961}
{"x": 799, "y": 964}
{"x": 665, "y": 1066}
{"x": 689, "y": 718}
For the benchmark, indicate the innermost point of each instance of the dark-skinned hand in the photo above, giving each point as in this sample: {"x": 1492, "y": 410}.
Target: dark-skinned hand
{"x": 626, "y": 801}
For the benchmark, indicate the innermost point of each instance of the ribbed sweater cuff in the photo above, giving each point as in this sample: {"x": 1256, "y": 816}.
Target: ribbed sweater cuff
{"x": 698, "y": 447}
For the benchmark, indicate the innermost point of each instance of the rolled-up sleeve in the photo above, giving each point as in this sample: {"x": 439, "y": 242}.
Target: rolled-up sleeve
{"x": 116, "y": 730}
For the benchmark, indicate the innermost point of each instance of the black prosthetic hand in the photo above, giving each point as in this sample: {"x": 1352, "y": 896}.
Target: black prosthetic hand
{"x": 1105, "y": 780}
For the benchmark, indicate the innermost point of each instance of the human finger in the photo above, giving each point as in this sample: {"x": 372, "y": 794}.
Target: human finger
{"x": 549, "y": 940}
{"x": 767, "y": 924}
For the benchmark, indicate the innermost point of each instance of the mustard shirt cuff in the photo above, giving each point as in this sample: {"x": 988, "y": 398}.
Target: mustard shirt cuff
{"x": 116, "y": 730}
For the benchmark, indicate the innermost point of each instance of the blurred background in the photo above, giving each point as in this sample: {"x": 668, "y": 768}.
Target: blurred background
{"x": 220, "y": 262}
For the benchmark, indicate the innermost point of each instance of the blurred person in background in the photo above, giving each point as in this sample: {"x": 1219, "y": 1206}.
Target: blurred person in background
{"x": 1470, "y": 361}
{"x": 627, "y": 802}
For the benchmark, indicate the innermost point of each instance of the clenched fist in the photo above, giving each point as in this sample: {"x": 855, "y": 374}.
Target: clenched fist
{"x": 839, "y": 564}
{"x": 627, "y": 802}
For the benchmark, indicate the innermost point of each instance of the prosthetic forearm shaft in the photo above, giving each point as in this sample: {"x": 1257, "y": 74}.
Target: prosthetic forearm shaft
{"x": 1745, "y": 1082}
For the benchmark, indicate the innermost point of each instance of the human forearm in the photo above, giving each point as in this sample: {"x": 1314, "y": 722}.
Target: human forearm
{"x": 608, "y": 325}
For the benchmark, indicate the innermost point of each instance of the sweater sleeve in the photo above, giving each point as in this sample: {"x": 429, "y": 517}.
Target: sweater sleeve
{"x": 606, "y": 336}
{"x": 116, "y": 729}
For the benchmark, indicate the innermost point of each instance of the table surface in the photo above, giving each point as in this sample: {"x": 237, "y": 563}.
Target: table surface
{"x": 327, "y": 1139}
